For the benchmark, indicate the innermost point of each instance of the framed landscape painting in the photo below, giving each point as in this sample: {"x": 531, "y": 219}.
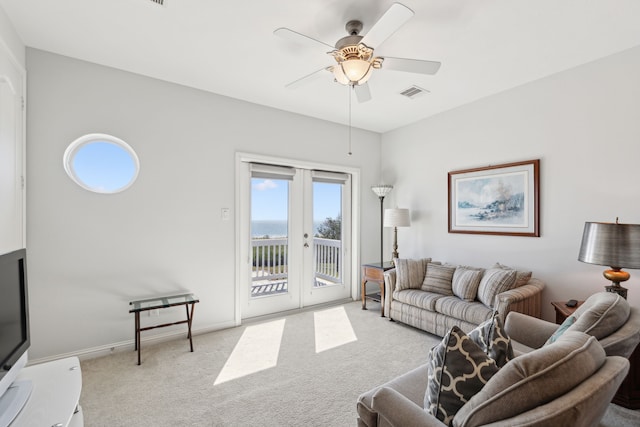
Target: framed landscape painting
{"x": 501, "y": 199}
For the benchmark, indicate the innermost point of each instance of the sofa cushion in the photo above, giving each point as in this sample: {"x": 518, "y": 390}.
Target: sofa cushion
{"x": 457, "y": 369}
{"x": 601, "y": 314}
{"x": 534, "y": 379}
{"x": 418, "y": 298}
{"x": 465, "y": 282}
{"x": 522, "y": 277}
{"x": 561, "y": 330}
{"x": 438, "y": 278}
{"x": 493, "y": 340}
{"x": 495, "y": 281}
{"x": 410, "y": 272}
{"x": 472, "y": 312}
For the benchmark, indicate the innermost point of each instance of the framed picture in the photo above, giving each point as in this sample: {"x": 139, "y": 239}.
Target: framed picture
{"x": 501, "y": 199}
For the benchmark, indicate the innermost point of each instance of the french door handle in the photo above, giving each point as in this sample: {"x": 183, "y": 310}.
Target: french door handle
{"x": 306, "y": 245}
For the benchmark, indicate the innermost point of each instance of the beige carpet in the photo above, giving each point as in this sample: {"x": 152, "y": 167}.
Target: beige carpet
{"x": 174, "y": 387}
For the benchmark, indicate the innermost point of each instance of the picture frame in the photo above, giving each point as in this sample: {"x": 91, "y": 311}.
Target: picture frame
{"x": 499, "y": 200}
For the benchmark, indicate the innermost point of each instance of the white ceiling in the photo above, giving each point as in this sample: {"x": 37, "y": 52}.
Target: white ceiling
{"x": 228, "y": 47}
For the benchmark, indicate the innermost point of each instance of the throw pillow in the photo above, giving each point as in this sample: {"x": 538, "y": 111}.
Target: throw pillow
{"x": 465, "y": 282}
{"x": 522, "y": 277}
{"x": 410, "y": 273}
{"x": 491, "y": 337}
{"x": 561, "y": 330}
{"x": 456, "y": 370}
{"x": 438, "y": 278}
{"x": 493, "y": 282}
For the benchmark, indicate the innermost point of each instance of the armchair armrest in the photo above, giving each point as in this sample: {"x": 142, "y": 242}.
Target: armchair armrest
{"x": 527, "y": 330}
{"x": 389, "y": 287}
{"x": 396, "y": 410}
{"x": 526, "y": 299}
{"x": 624, "y": 341}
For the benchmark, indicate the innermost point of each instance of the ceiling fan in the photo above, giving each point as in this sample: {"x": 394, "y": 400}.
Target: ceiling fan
{"x": 354, "y": 54}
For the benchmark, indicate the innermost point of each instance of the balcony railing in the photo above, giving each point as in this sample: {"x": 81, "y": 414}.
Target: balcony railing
{"x": 270, "y": 262}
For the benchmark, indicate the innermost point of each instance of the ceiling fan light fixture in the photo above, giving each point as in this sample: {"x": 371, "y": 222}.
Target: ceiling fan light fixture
{"x": 355, "y": 63}
{"x": 339, "y": 75}
{"x": 357, "y": 71}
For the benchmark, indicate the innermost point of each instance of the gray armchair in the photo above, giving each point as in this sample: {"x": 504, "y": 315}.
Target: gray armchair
{"x": 605, "y": 315}
{"x": 568, "y": 383}
{"x": 577, "y": 394}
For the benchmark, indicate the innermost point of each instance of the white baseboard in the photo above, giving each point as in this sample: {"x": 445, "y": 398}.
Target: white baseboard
{"x": 128, "y": 345}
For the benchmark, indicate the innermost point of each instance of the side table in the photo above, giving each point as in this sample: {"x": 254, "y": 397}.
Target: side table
{"x": 374, "y": 272}
{"x": 562, "y": 311}
{"x": 628, "y": 395}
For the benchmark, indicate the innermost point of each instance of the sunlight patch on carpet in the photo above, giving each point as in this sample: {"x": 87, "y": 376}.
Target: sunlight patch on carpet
{"x": 256, "y": 351}
{"x": 333, "y": 329}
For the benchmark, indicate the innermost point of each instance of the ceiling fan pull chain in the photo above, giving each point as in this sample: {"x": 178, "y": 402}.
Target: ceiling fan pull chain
{"x": 351, "y": 88}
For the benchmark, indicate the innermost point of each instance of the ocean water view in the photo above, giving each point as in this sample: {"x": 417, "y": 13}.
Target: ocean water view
{"x": 274, "y": 228}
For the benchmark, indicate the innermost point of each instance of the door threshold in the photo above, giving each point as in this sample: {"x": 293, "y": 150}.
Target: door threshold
{"x": 261, "y": 318}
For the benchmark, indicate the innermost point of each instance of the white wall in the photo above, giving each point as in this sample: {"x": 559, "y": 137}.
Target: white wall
{"x": 10, "y": 39}
{"x": 90, "y": 254}
{"x": 583, "y": 124}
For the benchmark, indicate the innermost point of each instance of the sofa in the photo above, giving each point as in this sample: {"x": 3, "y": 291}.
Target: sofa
{"x": 435, "y": 296}
{"x": 552, "y": 375}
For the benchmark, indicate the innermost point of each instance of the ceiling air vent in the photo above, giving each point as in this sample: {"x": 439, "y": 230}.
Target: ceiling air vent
{"x": 160, "y": 2}
{"x": 413, "y": 92}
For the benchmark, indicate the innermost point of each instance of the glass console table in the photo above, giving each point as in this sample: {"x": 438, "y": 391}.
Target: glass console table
{"x": 158, "y": 303}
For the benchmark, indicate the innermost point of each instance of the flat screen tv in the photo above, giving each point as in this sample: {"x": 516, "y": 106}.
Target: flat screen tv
{"x": 14, "y": 333}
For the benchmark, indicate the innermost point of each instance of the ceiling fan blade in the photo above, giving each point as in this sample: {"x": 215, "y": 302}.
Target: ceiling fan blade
{"x": 308, "y": 78}
{"x": 288, "y": 34}
{"x": 362, "y": 92}
{"x": 417, "y": 66}
{"x": 394, "y": 18}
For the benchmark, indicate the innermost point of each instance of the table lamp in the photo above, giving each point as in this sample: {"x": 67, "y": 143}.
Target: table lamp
{"x": 612, "y": 244}
{"x": 396, "y": 218}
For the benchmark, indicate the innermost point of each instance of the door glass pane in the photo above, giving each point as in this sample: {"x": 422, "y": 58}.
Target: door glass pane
{"x": 327, "y": 242}
{"x": 269, "y": 236}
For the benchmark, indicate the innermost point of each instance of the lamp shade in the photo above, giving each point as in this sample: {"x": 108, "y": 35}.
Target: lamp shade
{"x": 356, "y": 70}
{"x": 338, "y": 74}
{"x": 611, "y": 244}
{"x": 382, "y": 189}
{"x": 396, "y": 218}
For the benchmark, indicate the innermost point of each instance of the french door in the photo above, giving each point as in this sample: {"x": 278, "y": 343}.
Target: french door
{"x": 295, "y": 237}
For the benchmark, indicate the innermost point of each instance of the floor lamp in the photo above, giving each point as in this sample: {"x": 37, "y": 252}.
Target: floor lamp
{"x": 381, "y": 191}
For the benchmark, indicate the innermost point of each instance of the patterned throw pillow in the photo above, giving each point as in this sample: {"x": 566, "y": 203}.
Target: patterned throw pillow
{"x": 457, "y": 369}
{"x": 465, "y": 282}
{"x": 491, "y": 337}
{"x": 495, "y": 281}
{"x": 561, "y": 330}
{"x": 438, "y": 278}
{"x": 410, "y": 273}
{"x": 522, "y": 277}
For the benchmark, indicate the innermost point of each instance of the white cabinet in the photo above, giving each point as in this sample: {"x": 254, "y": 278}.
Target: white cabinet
{"x": 55, "y": 397}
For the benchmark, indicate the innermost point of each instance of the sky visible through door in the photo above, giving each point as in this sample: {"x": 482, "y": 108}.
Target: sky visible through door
{"x": 269, "y": 206}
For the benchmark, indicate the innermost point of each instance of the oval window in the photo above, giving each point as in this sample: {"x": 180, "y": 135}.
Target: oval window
{"x": 101, "y": 163}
